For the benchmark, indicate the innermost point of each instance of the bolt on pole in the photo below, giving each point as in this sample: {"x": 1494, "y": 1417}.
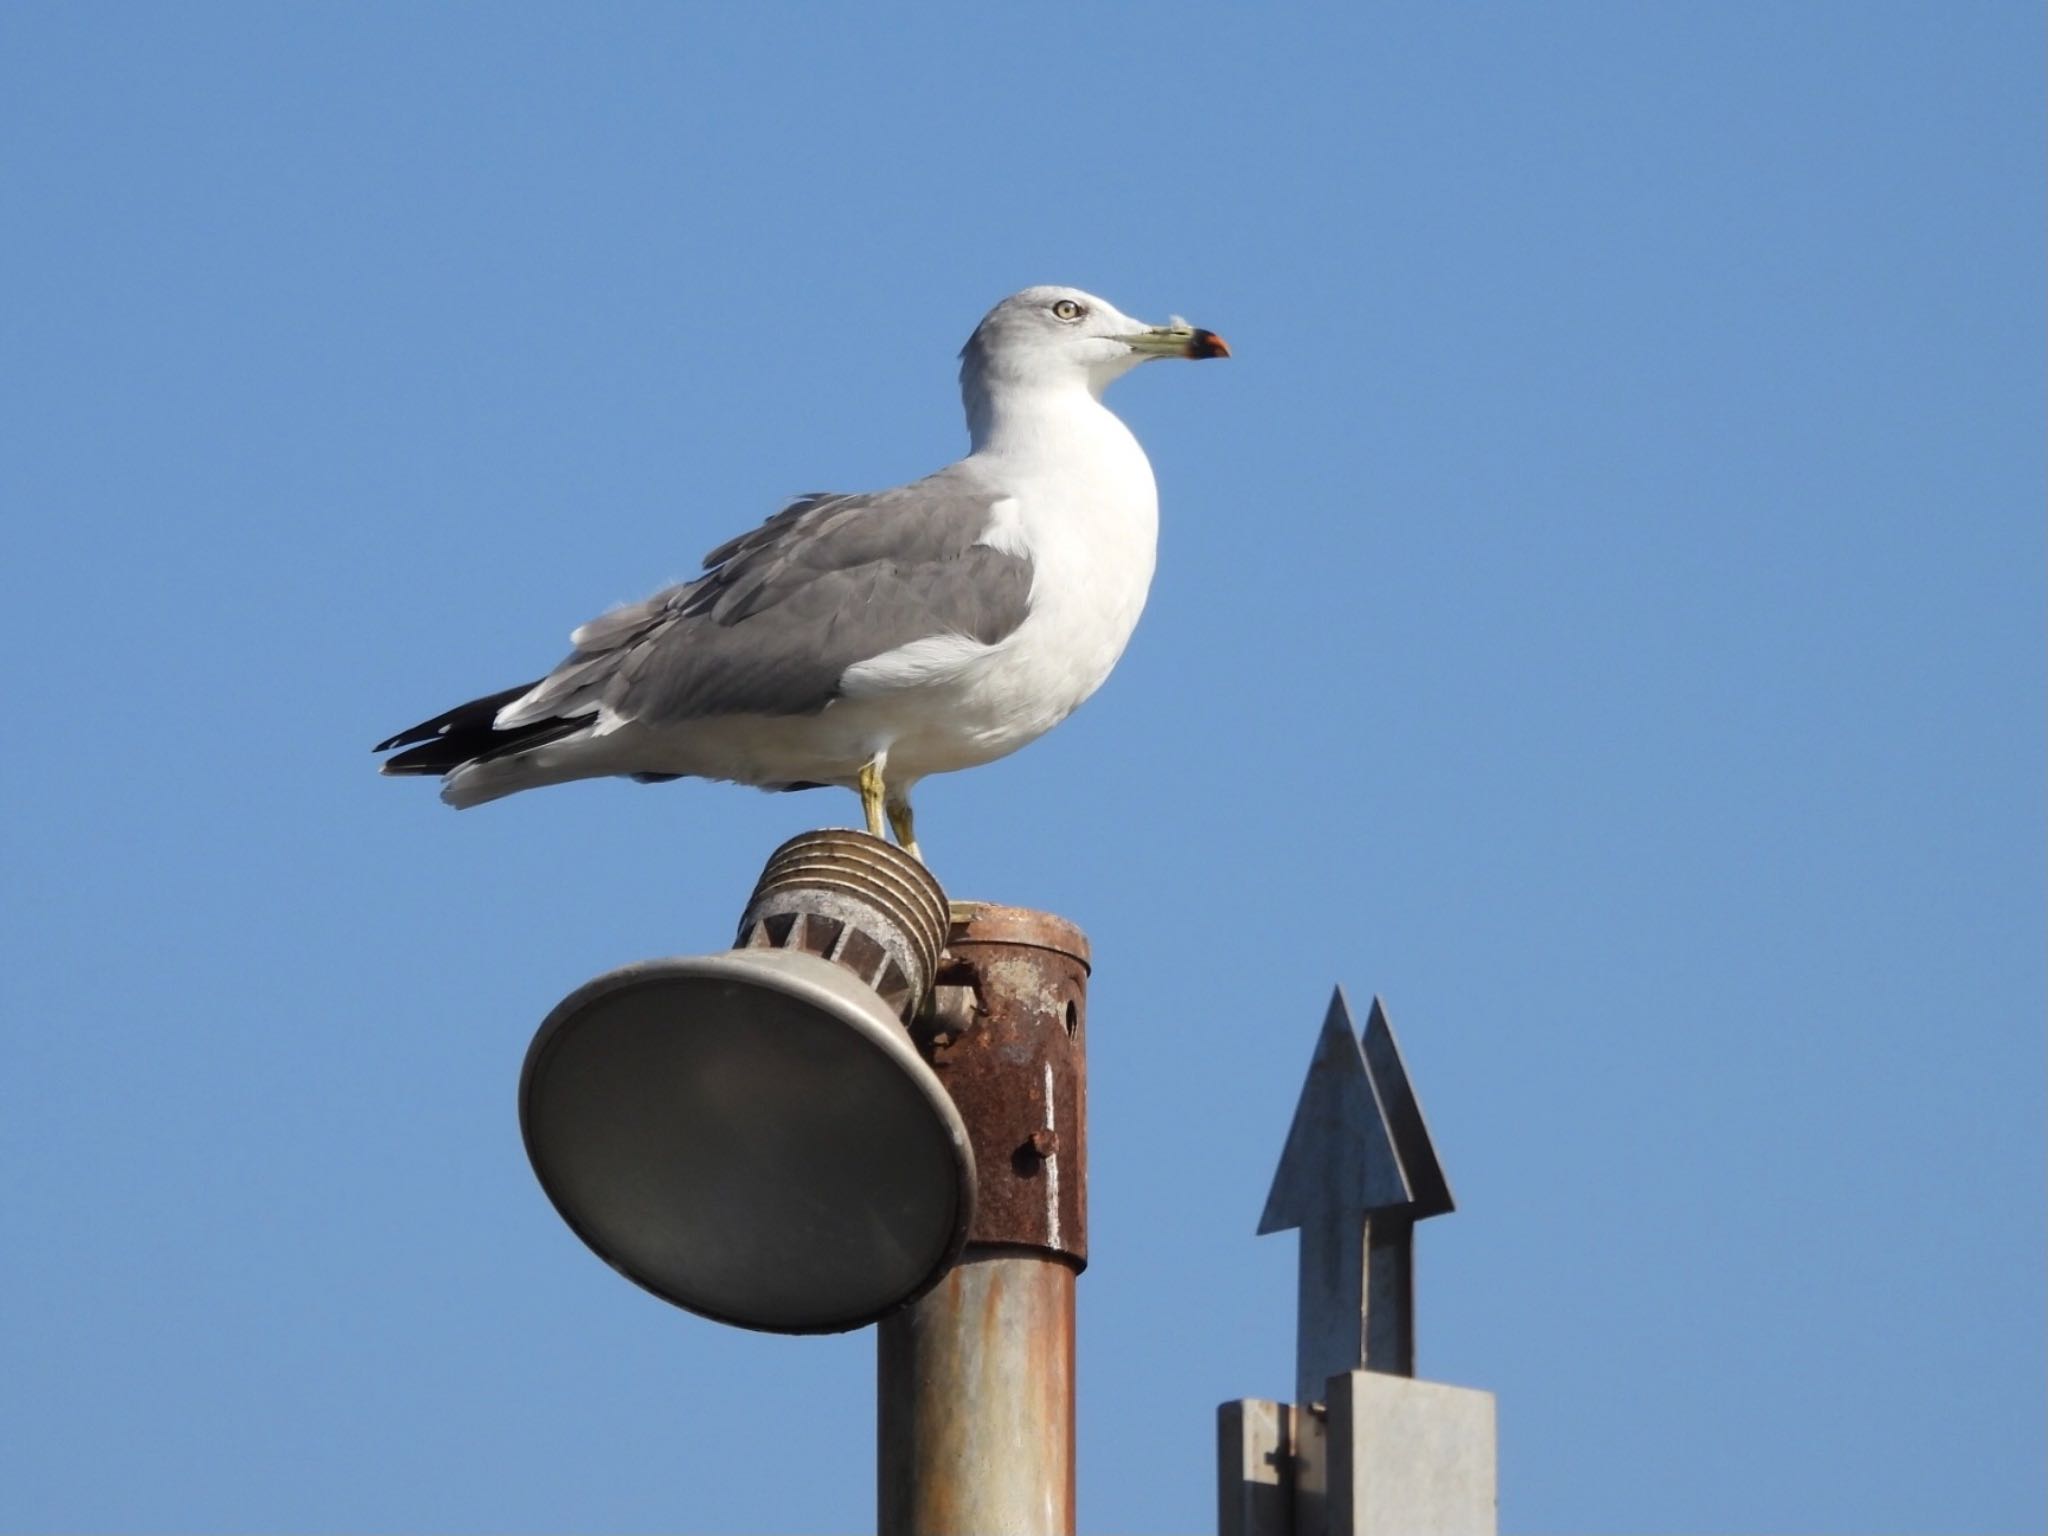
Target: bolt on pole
{"x": 975, "y": 1380}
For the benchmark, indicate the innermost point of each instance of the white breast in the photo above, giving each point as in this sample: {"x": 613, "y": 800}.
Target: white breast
{"x": 1083, "y": 506}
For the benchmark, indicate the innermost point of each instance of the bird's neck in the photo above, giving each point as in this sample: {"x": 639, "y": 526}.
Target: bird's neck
{"x": 1020, "y": 420}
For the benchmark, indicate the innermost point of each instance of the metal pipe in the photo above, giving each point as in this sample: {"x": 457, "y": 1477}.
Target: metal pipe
{"x": 976, "y": 1402}
{"x": 975, "y": 1381}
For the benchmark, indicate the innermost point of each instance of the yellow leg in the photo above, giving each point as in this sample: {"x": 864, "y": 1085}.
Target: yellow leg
{"x": 872, "y": 794}
{"x": 905, "y": 827}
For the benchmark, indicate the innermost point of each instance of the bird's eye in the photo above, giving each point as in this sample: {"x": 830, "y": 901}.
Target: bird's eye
{"x": 1067, "y": 309}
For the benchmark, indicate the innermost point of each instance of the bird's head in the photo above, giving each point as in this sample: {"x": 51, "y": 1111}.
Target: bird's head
{"x": 1051, "y": 336}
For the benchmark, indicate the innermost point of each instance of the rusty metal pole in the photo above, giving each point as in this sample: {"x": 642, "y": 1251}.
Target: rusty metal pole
{"x": 975, "y": 1381}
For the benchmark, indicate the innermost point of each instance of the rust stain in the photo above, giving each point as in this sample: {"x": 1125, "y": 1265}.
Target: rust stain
{"x": 1005, "y": 1031}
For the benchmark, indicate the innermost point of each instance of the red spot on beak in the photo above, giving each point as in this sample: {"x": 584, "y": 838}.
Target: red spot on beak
{"x": 1207, "y": 344}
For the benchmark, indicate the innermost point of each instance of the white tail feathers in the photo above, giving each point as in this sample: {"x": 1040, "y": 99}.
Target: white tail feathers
{"x": 556, "y": 763}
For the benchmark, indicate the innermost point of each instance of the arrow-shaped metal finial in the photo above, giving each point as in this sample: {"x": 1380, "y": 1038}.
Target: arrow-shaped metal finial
{"x": 1358, "y": 1172}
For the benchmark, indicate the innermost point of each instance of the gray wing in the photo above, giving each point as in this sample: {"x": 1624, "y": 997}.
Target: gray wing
{"x": 780, "y": 613}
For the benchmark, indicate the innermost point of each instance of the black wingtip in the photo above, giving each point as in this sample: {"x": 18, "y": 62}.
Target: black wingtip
{"x": 465, "y": 734}
{"x": 474, "y": 716}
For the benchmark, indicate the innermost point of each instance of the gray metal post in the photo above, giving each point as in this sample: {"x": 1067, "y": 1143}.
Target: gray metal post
{"x": 1364, "y": 1450}
{"x": 977, "y": 1402}
{"x": 1358, "y": 1172}
{"x": 975, "y": 1381}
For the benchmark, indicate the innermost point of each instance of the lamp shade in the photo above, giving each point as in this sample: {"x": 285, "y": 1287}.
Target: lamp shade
{"x": 751, "y": 1136}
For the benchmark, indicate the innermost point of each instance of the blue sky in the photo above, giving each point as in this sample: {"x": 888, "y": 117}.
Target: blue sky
{"x": 1600, "y": 609}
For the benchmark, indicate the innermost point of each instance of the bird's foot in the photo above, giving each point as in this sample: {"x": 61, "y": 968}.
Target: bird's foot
{"x": 904, "y": 826}
{"x": 872, "y": 795}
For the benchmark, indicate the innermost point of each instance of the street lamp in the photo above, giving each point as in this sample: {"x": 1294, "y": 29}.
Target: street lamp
{"x": 752, "y": 1135}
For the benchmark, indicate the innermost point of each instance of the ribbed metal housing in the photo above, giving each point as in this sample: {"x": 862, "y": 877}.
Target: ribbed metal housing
{"x": 857, "y": 901}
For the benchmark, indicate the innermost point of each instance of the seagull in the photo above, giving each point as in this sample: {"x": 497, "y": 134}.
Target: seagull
{"x": 870, "y": 640}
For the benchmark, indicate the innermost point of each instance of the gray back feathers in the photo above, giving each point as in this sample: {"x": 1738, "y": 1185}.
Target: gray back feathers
{"x": 780, "y": 613}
